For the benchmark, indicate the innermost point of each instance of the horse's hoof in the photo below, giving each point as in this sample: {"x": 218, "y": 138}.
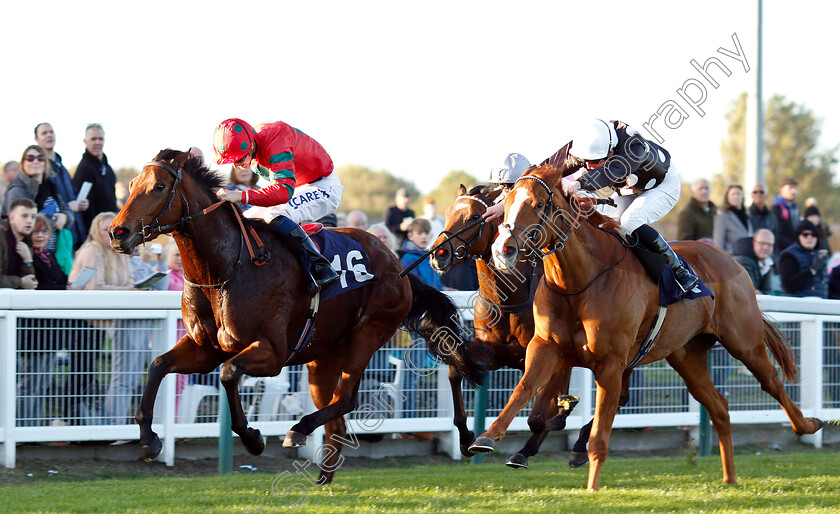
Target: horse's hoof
{"x": 578, "y": 459}
{"x": 152, "y": 450}
{"x": 465, "y": 446}
{"x": 294, "y": 440}
{"x": 819, "y": 423}
{"x": 253, "y": 441}
{"x": 517, "y": 461}
{"x": 483, "y": 445}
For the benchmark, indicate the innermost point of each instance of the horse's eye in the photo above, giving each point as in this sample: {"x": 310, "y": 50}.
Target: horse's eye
{"x": 474, "y": 217}
{"x": 539, "y": 205}
{"x": 160, "y": 186}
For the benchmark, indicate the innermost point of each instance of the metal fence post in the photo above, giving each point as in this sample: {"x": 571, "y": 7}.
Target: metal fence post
{"x": 225, "y": 435}
{"x": 479, "y": 417}
{"x": 704, "y": 445}
{"x": 8, "y": 401}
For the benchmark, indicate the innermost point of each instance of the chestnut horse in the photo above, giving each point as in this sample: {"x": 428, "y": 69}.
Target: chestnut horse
{"x": 248, "y": 317}
{"x": 589, "y": 272}
{"x": 504, "y": 317}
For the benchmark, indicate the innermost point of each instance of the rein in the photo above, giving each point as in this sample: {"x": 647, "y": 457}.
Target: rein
{"x": 147, "y": 231}
{"x": 423, "y": 257}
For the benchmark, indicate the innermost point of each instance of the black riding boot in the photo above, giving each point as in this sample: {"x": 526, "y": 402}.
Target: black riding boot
{"x": 296, "y": 238}
{"x": 654, "y": 241}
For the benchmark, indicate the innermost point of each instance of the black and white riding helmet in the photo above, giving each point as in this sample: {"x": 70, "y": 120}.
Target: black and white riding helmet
{"x": 514, "y": 166}
{"x": 593, "y": 140}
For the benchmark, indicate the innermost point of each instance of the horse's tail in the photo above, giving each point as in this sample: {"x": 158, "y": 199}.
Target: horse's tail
{"x": 435, "y": 317}
{"x": 776, "y": 342}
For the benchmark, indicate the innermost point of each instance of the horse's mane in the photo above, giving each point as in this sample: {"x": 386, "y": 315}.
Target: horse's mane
{"x": 586, "y": 204}
{"x": 207, "y": 179}
{"x": 485, "y": 191}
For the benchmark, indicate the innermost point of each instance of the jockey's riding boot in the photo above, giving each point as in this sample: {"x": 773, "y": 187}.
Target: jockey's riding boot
{"x": 322, "y": 272}
{"x": 654, "y": 241}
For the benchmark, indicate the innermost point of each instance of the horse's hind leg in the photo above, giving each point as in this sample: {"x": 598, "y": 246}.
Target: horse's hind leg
{"x": 755, "y": 358}
{"x": 541, "y": 362}
{"x": 465, "y": 436}
{"x": 185, "y": 357}
{"x": 259, "y": 360}
{"x": 690, "y": 362}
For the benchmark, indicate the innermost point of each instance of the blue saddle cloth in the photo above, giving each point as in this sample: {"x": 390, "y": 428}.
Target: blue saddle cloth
{"x": 348, "y": 259}
{"x": 669, "y": 291}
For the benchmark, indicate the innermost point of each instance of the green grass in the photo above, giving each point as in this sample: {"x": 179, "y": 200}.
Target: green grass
{"x": 794, "y": 481}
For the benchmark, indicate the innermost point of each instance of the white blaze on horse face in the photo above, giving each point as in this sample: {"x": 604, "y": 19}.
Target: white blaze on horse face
{"x": 503, "y": 239}
{"x": 522, "y": 195}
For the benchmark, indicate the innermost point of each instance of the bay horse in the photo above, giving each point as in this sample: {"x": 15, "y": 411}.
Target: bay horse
{"x": 589, "y": 273}
{"x": 247, "y": 317}
{"x": 504, "y": 317}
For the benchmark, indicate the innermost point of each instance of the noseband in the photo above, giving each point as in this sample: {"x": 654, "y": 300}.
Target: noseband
{"x": 548, "y": 208}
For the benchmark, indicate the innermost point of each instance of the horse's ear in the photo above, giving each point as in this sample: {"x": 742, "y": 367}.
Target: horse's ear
{"x": 182, "y": 158}
{"x": 462, "y": 190}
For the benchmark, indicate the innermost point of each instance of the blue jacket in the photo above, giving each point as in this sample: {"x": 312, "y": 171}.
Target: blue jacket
{"x": 795, "y": 272}
{"x": 67, "y": 192}
{"x": 424, "y": 269}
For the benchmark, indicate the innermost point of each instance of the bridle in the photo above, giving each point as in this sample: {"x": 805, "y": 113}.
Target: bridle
{"x": 460, "y": 251}
{"x": 147, "y": 231}
{"x": 548, "y": 208}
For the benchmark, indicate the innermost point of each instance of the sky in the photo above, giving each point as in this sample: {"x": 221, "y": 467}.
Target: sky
{"x": 418, "y": 89}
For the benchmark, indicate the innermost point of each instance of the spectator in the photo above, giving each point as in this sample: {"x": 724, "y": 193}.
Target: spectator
{"x": 417, "y": 358}
{"x": 414, "y": 247}
{"x": 399, "y": 216}
{"x": 113, "y": 272}
{"x": 176, "y": 267}
{"x": 10, "y": 171}
{"x": 142, "y": 268}
{"x": 802, "y": 264}
{"x": 697, "y": 219}
{"x": 329, "y": 221}
{"x": 33, "y": 184}
{"x": 45, "y": 138}
{"x": 834, "y": 284}
{"x": 94, "y": 168}
{"x": 386, "y": 236}
{"x": 357, "y": 219}
{"x": 242, "y": 179}
{"x": 760, "y": 215}
{"x": 755, "y": 255}
{"x": 786, "y": 213}
{"x": 435, "y": 219}
{"x": 48, "y": 272}
{"x": 37, "y": 337}
{"x": 462, "y": 276}
{"x": 812, "y": 214}
{"x": 16, "y": 265}
{"x": 732, "y": 223}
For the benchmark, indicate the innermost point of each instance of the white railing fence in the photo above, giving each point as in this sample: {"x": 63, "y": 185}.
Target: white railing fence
{"x": 74, "y": 366}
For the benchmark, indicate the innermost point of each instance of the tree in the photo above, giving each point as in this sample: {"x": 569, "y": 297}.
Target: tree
{"x": 791, "y": 135}
{"x": 447, "y": 190}
{"x": 371, "y": 192}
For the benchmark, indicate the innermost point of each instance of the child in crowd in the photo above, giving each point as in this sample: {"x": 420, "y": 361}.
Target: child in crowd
{"x": 415, "y": 245}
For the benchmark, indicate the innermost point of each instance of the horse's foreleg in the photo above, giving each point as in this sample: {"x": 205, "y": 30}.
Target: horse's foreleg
{"x": 258, "y": 360}
{"x": 541, "y": 362}
{"x": 465, "y": 435}
{"x": 185, "y": 357}
{"x": 608, "y": 381}
{"x": 692, "y": 367}
{"x": 544, "y": 417}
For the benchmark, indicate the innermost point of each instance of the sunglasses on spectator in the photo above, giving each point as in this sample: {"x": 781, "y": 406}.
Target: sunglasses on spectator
{"x": 31, "y": 158}
{"x": 758, "y": 192}
{"x": 808, "y": 234}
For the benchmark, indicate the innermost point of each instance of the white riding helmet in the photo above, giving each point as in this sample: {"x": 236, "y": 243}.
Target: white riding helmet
{"x": 513, "y": 168}
{"x": 593, "y": 140}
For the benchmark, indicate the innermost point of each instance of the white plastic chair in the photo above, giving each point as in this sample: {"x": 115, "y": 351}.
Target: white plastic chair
{"x": 269, "y": 393}
{"x": 191, "y": 398}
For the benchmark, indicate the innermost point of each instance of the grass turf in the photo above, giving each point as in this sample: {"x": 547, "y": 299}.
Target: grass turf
{"x": 795, "y": 481}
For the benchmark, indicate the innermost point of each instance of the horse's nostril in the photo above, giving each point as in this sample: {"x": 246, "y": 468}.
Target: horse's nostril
{"x": 441, "y": 253}
{"x": 120, "y": 233}
{"x": 508, "y": 251}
